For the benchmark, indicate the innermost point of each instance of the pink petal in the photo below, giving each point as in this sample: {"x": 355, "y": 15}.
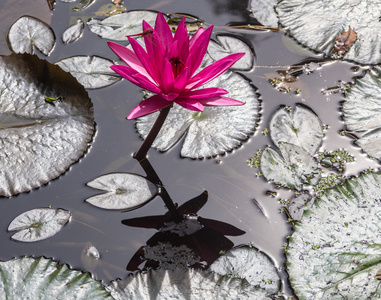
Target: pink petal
{"x": 148, "y": 106}
{"x": 181, "y": 36}
{"x": 163, "y": 30}
{"x": 205, "y": 93}
{"x": 199, "y": 48}
{"x": 195, "y": 37}
{"x": 169, "y": 97}
{"x": 136, "y": 78}
{"x": 181, "y": 80}
{"x": 154, "y": 46}
{"x": 214, "y": 70}
{"x": 190, "y": 104}
{"x": 167, "y": 78}
{"x": 129, "y": 57}
{"x": 220, "y": 101}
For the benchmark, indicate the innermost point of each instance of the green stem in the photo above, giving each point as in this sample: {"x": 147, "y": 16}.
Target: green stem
{"x": 142, "y": 152}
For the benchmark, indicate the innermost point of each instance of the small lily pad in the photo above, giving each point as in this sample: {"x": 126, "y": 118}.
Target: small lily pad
{"x": 264, "y": 12}
{"x": 214, "y": 131}
{"x": 228, "y": 45}
{"x": 123, "y": 191}
{"x": 91, "y": 71}
{"x": 293, "y": 169}
{"x": 29, "y": 278}
{"x": 118, "y": 27}
{"x": 83, "y": 4}
{"x": 28, "y": 34}
{"x": 334, "y": 252}
{"x": 73, "y": 33}
{"x": 38, "y": 224}
{"x": 46, "y": 122}
{"x": 302, "y": 128}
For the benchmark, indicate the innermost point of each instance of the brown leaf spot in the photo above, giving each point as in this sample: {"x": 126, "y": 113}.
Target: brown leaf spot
{"x": 343, "y": 43}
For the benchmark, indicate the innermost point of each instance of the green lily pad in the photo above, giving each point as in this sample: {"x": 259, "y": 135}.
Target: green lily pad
{"x": 293, "y": 169}
{"x": 73, "y": 33}
{"x": 302, "y": 128}
{"x": 118, "y": 27}
{"x": 214, "y": 131}
{"x": 29, "y": 278}
{"x": 264, "y": 12}
{"x": 91, "y": 71}
{"x": 123, "y": 191}
{"x": 334, "y": 252}
{"x": 317, "y": 25}
{"x": 38, "y": 224}
{"x": 28, "y": 34}
{"x": 46, "y": 122}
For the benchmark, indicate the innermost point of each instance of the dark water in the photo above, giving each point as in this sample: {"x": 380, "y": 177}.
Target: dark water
{"x": 232, "y": 184}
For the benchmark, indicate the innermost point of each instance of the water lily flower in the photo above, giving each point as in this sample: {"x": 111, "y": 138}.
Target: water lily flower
{"x": 168, "y": 68}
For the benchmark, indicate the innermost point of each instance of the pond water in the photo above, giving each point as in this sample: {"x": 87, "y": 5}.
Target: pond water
{"x": 236, "y": 195}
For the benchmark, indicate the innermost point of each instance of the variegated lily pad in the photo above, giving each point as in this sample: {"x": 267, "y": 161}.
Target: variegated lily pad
{"x": 264, "y": 12}
{"x": 334, "y": 252}
{"x": 214, "y": 131}
{"x": 46, "y": 122}
{"x": 38, "y": 224}
{"x": 361, "y": 110}
{"x": 123, "y": 191}
{"x": 317, "y": 25}
{"x": 29, "y": 278}
{"x": 117, "y": 27}
{"x": 73, "y": 33}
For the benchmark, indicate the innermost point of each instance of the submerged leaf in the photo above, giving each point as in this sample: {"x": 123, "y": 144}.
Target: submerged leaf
{"x": 123, "y": 191}
{"x": 119, "y": 26}
{"x": 91, "y": 71}
{"x": 28, "y": 34}
{"x": 214, "y": 131}
{"x": 334, "y": 252}
{"x": 83, "y": 4}
{"x": 73, "y": 33}
{"x": 264, "y": 12}
{"x": 302, "y": 128}
{"x": 250, "y": 264}
{"x": 318, "y": 24}
{"x": 38, "y": 224}
{"x": 90, "y": 257}
{"x": 29, "y": 278}
{"x": 229, "y": 45}
{"x": 43, "y": 139}
{"x": 293, "y": 169}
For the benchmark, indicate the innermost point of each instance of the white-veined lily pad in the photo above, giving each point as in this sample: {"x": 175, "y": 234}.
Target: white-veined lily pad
{"x": 302, "y": 128}
{"x": 361, "y": 110}
{"x": 117, "y": 27}
{"x": 229, "y": 45}
{"x": 252, "y": 265}
{"x": 91, "y": 71}
{"x": 28, "y": 34}
{"x": 214, "y": 131}
{"x": 29, "y": 278}
{"x": 46, "y": 122}
{"x": 317, "y": 24}
{"x": 73, "y": 33}
{"x": 294, "y": 168}
{"x": 334, "y": 252}
{"x": 264, "y": 12}
{"x": 38, "y": 224}
{"x": 123, "y": 191}
{"x": 182, "y": 285}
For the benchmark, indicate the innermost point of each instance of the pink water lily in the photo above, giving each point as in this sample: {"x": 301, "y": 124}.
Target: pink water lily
{"x": 168, "y": 68}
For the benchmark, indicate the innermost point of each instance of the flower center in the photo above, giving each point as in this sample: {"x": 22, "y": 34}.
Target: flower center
{"x": 177, "y": 66}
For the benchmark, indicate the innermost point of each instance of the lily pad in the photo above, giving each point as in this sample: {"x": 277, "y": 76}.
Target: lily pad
{"x": 118, "y": 27}
{"x": 28, "y": 34}
{"x": 73, "y": 33}
{"x": 183, "y": 285}
{"x": 46, "y": 122}
{"x": 29, "y": 278}
{"x": 83, "y": 4}
{"x": 334, "y": 252}
{"x": 264, "y": 12}
{"x": 91, "y": 71}
{"x": 302, "y": 128}
{"x": 123, "y": 191}
{"x": 214, "y": 131}
{"x": 361, "y": 110}
{"x": 38, "y": 224}
{"x": 252, "y": 265}
{"x": 317, "y": 25}
{"x": 293, "y": 169}
{"x": 228, "y": 45}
